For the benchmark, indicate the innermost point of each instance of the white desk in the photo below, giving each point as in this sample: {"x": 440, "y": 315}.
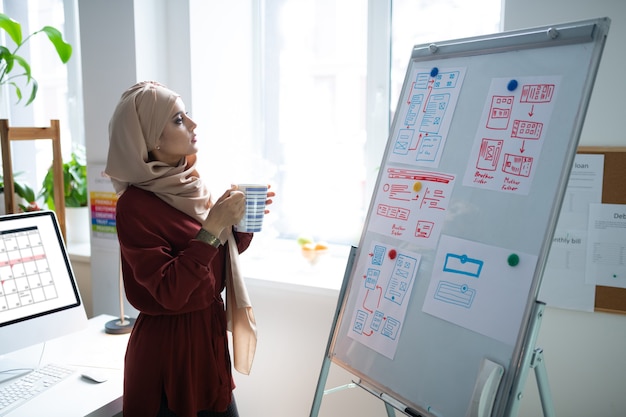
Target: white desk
{"x": 76, "y": 397}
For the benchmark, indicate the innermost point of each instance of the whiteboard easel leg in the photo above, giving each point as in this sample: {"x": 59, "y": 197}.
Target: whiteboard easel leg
{"x": 319, "y": 391}
{"x": 542, "y": 383}
{"x": 391, "y": 412}
{"x": 321, "y": 381}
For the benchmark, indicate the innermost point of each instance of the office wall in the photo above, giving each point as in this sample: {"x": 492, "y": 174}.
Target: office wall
{"x": 109, "y": 66}
{"x": 584, "y": 352}
{"x": 143, "y": 41}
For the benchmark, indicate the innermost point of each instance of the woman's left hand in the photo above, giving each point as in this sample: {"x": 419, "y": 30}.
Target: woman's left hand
{"x": 269, "y": 200}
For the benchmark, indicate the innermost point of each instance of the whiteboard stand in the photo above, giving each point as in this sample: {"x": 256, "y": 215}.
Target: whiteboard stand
{"x": 321, "y": 381}
{"x": 535, "y": 362}
{"x": 545, "y": 395}
{"x": 390, "y": 410}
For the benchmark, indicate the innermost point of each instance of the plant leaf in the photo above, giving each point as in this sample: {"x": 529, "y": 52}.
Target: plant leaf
{"x": 74, "y": 183}
{"x": 24, "y": 64}
{"x": 4, "y": 52}
{"x": 24, "y": 191}
{"x": 18, "y": 92}
{"x": 64, "y": 49}
{"x": 9, "y": 60}
{"x": 29, "y": 80}
{"x": 33, "y": 91}
{"x": 13, "y": 28}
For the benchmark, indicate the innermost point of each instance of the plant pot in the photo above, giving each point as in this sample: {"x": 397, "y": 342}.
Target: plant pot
{"x": 77, "y": 224}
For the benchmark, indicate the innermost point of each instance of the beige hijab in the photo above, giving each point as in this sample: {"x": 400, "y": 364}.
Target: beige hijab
{"x": 134, "y": 129}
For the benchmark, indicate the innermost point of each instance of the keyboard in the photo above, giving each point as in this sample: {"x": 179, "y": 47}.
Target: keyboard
{"x": 15, "y": 393}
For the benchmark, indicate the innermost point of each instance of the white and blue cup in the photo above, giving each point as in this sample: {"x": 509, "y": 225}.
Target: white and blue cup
{"x": 252, "y": 220}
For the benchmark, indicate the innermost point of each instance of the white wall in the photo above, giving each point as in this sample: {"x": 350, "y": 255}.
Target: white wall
{"x": 584, "y": 352}
{"x": 123, "y": 42}
{"x": 109, "y": 66}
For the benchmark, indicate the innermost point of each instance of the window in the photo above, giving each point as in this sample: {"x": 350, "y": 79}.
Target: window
{"x": 428, "y": 21}
{"x": 59, "y": 95}
{"x": 283, "y": 97}
{"x": 280, "y": 92}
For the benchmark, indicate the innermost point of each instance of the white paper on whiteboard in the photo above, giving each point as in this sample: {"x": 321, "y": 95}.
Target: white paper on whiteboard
{"x": 474, "y": 286}
{"x": 385, "y": 283}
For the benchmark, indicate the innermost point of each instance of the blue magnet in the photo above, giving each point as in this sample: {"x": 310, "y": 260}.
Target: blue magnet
{"x": 434, "y": 72}
{"x": 512, "y": 85}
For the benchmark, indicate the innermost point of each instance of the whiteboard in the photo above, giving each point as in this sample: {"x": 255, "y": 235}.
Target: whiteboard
{"x": 451, "y": 255}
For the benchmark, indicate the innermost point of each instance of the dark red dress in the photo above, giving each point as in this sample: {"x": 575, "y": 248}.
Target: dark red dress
{"x": 179, "y": 343}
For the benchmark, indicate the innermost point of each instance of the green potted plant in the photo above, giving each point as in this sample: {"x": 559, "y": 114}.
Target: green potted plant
{"x": 74, "y": 183}
{"x": 14, "y": 67}
{"x": 25, "y": 192}
{"x": 75, "y": 197}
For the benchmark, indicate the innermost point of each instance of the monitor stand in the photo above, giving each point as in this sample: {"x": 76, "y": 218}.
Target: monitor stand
{"x": 20, "y": 362}
{"x": 10, "y": 369}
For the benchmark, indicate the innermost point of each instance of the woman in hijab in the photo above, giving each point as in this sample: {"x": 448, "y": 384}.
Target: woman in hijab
{"x": 178, "y": 251}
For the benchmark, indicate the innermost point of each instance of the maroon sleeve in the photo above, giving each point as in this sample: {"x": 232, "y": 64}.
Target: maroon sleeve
{"x": 165, "y": 269}
{"x": 243, "y": 240}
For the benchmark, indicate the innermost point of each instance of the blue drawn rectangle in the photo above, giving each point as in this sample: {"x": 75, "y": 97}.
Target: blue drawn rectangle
{"x": 403, "y": 141}
{"x": 401, "y": 278}
{"x": 372, "y": 278}
{"x": 379, "y": 255}
{"x": 458, "y": 294}
{"x": 377, "y": 320}
{"x": 428, "y": 149}
{"x": 391, "y": 328}
{"x": 435, "y": 112}
{"x": 461, "y": 264}
{"x": 411, "y": 114}
{"x": 447, "y": 79}
{"x": 359, "y": 321}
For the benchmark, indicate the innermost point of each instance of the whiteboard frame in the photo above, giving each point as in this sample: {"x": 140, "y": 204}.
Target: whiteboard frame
{"x": 593, "y": 32}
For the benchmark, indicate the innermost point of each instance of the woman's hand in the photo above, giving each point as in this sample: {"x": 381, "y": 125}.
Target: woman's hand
{"x": 269, "y": 200}
{"x": 225, "y": 212}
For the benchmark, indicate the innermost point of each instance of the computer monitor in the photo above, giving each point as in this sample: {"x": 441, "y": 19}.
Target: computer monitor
{"x": 39, "y": 298}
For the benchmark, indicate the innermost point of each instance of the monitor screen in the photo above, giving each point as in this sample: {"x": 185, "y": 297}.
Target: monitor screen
{"x": 39, "y": 298}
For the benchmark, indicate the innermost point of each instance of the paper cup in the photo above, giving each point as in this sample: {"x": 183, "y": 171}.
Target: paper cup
{"x": 252, "y": 220}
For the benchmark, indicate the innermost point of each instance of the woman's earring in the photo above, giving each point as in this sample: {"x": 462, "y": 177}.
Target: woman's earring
{"x": 158, "y": 148}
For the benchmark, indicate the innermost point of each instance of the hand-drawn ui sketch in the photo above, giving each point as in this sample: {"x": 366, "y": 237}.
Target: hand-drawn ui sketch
{"x": 480, "y": 287}
{"x": 411, "y": 205}
{"x": 425, "y": 114}
{"x": 384, "y": 295}
{"x": 459, "y": 294}
{"x": 511, "y": 134}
